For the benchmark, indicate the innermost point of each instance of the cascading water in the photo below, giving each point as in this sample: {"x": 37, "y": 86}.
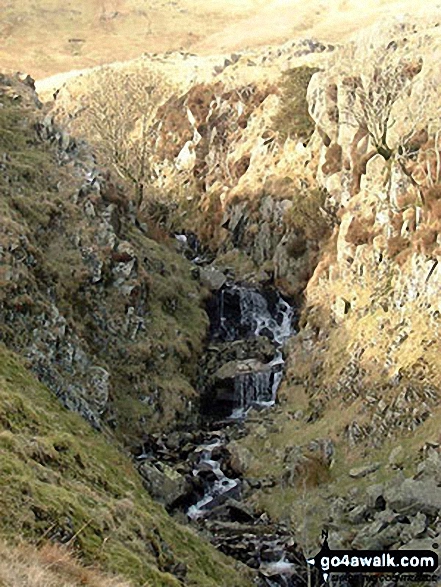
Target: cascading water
{"x": 219, "y": 489}
{"x": 241, "y": 368}
{"x": 242, "y": 312}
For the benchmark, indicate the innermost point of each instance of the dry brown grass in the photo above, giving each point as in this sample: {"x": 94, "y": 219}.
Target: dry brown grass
{"x": 50, "y": 566}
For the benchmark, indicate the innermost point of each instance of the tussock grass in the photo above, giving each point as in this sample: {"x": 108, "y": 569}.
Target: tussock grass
{"x": 50, "y": 566}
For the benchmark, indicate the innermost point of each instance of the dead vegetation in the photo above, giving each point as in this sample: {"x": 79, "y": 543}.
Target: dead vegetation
{"x": 51, "y": 565}
{"x": 118, "y": 119}
{"x": 309, "y": 216}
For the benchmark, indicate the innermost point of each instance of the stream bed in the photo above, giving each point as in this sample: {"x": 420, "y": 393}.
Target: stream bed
{"x": 241, "y": 370}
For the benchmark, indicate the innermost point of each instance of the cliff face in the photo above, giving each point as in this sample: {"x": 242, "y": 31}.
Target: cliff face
{"x": 372, "y": 305}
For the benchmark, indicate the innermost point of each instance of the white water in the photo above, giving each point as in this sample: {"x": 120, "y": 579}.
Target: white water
{"x": 256, "y": 319}
{"x": 222, "y": 486}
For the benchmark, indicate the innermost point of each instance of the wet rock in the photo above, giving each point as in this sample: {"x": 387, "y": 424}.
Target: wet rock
{"x": 233, "y": 511}
{"x": 234, "y": 369}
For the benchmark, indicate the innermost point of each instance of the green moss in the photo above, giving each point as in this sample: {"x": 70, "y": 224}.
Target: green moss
{"x": 59, "y": 478}
{"x": 293, "y": 119}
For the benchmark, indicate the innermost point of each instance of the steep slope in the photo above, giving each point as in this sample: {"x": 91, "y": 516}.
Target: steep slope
{"x": 111, "y": 320}
{"x": 360, "y": 409}
{"x": 49, "y": 566}
{"x": 63, "y": 482}
{"x": 345, "y": 216}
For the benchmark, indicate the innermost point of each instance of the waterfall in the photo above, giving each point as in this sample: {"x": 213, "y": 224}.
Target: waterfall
{"x": 241, "y": 312}
{"x": 244, "y": 371}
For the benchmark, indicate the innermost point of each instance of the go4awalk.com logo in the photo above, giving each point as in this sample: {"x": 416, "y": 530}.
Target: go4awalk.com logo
{"x": 416, "y": 562}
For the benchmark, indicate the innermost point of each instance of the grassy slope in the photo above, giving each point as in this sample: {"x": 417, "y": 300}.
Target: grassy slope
{"x": 59, "y": 477}
{"x": 160, "y": 360}
{"x": 50, "y": 566}
{"x": 93, "y": 32}
{"x": 304, "y": 501}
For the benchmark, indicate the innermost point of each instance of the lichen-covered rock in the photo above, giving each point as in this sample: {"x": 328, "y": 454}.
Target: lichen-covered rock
{"x": 164, "y": 484}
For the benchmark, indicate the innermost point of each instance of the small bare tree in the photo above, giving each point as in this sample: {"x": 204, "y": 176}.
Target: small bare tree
{"x": 119, "y": 118}
{"x": 375, "y": 94}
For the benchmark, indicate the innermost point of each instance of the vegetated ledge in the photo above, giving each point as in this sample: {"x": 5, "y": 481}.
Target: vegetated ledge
{"x": 62, "y": 481}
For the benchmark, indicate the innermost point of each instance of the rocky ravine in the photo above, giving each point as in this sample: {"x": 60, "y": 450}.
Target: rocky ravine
{"x": 78, "y": 275}
{"x": 362, "y": 383}
{"x": 344, "y": 219}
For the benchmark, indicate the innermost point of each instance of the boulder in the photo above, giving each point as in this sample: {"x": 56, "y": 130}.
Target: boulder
{"x": 163, "y": 483}
{"x": 359, "y": 472}
{"x": 412, "y": 497}
{"x": 416, "y": 528}
{"x": 233, "y": 369}
{"x": 240, "y": 458}
{"x": 212, "y": 278}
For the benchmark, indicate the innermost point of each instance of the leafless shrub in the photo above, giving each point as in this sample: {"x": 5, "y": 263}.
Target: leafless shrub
{"x": 119, "y": 115}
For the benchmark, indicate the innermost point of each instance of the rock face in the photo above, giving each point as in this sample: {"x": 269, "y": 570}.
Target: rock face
{"x": 242, "y": 179}
{"x": 377, "y": 285}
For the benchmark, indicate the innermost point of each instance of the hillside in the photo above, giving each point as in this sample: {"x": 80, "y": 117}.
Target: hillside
{"x": 225, "y": 265}
{"x": 62, "y": 481}
{"x": 90, "y": 33}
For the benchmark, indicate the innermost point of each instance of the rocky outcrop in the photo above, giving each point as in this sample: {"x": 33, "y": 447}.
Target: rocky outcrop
{"x": 400, "y": 514}
{"x": 376, "y": 287}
